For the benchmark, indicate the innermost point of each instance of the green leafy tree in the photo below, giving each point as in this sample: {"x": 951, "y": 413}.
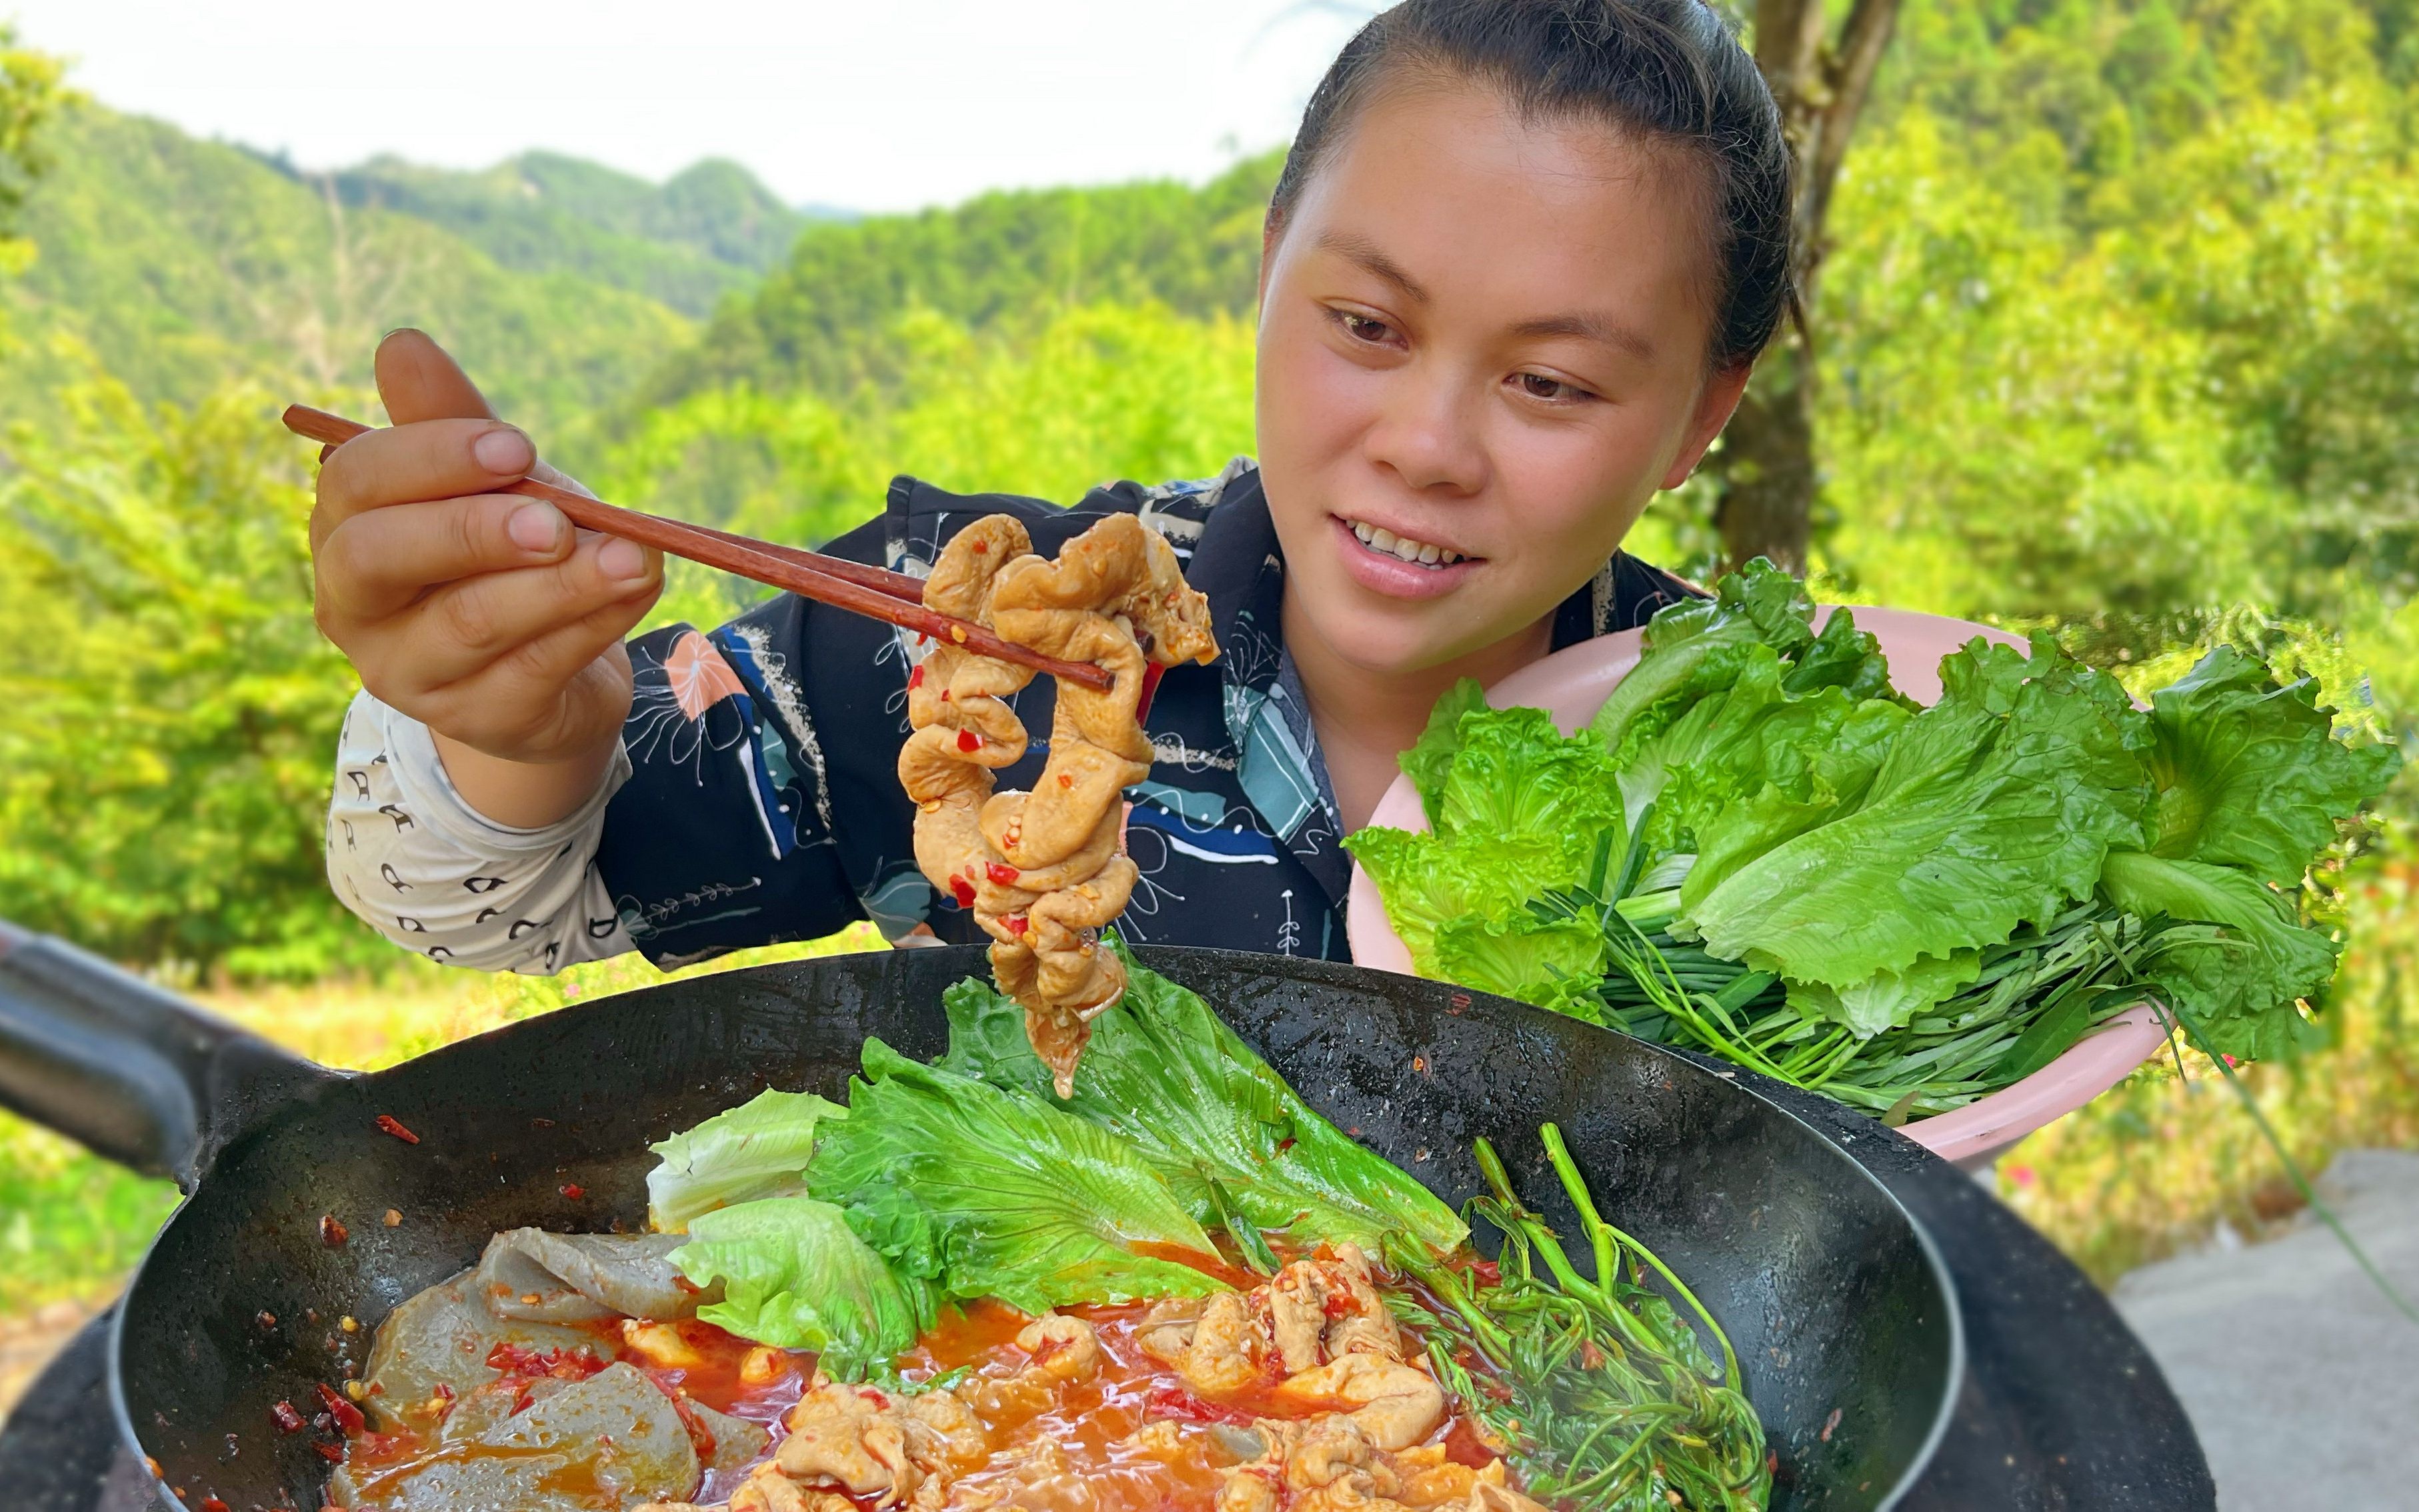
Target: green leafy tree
{"x": 165, "y": 715}
{"x": 1763, "y": 481}
{"x": 2117, "y": 324}
{"x": 32, "y": 91}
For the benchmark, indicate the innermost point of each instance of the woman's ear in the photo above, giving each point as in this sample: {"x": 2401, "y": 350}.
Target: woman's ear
{"x": 1714, "y": 409}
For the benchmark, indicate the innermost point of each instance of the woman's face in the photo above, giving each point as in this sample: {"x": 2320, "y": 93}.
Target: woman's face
{"x": 1481, "y": 349}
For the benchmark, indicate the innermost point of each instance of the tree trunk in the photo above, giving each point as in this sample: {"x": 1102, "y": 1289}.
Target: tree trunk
{"x": 1766, "y": 463}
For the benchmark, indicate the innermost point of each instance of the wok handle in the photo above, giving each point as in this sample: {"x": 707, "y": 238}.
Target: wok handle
{"x": 135, "y": 1072}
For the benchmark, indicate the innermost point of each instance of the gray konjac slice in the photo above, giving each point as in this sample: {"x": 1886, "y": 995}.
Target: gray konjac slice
{"x": 583, "y": 1279}
{"x": 552, "y": 1443}
{"x": 612, "y": 1440}
{"x": 436, "y": 1347}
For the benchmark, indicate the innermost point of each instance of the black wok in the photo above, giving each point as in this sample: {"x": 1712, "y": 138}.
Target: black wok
{"x": 1842, "y": 1316}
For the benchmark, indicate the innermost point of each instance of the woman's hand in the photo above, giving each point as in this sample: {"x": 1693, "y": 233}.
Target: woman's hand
{"x": 487, "y": 616}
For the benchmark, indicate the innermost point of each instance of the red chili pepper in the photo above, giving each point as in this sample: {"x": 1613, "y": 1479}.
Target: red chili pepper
{"x": 574, "y": 1190}
{"x": 332, "y": 1453}
{"x": 347, "y": 1416}
{"x": 982, "y": 547}
{"x": 962, "y": 890}
{"x": 389, "y": 1124}
{"x": 969, "y": 741}
{"x": 1487, "y": 1272}
{"x": 288, "y": 1420}
{"x": 1174, "y": 1401}
{"x": 1001, "y": 873}
{"x": 332, "y": 1233}
{"x": 699, "y": 1437}
{"x": 1151, "y": 674}
{"x": 915, "y": 678}
{"x": 562, "y": 1364}
{"x": 211, "y": 1504}
{"x": 1016, "y": 923}
{"x": 1285, "y": 1144}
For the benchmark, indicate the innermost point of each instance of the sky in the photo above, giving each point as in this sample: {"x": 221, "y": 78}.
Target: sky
{"x": 860, "y": 104}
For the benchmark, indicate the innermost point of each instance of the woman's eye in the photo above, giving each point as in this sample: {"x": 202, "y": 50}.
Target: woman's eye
{"x": 1538, "y": 386}
{"x": 1360, "y": 328}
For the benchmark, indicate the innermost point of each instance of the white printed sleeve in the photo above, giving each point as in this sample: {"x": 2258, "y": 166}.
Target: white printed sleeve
{"x": 426, "y": 870}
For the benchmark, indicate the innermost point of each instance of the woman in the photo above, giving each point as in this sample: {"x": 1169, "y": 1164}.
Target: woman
{"x": 1521, "y": 259}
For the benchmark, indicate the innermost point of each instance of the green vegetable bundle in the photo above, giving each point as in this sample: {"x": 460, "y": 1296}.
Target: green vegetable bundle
{"x": 1601, "y": 1393}
{"x": 1759, "y": 848}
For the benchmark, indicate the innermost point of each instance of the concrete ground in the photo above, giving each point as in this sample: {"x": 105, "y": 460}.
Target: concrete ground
{"x": 27, "y": 1343}
{"x": 2302, "y": 1381}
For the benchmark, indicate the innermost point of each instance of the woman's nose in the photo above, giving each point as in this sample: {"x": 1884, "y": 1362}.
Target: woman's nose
{"x": 1427, "y": 432}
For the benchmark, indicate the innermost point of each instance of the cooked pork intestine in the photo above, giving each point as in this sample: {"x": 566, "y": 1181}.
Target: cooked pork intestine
{"x": 1044, "y": 870}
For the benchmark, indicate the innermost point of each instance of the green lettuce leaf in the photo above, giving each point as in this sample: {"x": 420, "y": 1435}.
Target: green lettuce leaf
{"x": 1519, "y": 808}
{"x": 2250, "y": 774}
{"x": 1163, "y": 1073}
{"x": 1026, "y": 1203}
{"x": 795, "y": 1276}
{"x": 2238, "y": 977}
{"x": 1845, "y": 657}
{"x": 1552, "y": 964}
{"x": 1993, "y": 808}
{"x": 1889, "y": 999}
{"x": 1430, "y": 756}
{"x": 1809, "y": 760}
{"x": 1516, "y": 780}
{"x": 757, "y": 1149}
{"x": 1696, "y": 646}
{"x": 1424, "y": 880}
{"x": 1675, "y": 767}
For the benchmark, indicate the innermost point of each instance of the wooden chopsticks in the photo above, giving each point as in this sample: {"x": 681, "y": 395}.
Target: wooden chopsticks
{"x": 873, "y": 592}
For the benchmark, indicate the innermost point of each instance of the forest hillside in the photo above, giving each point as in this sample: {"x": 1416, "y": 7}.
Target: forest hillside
{"x": 2119, "y": 334}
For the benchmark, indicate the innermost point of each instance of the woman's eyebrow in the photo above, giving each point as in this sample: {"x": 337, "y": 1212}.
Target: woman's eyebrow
{"x": 1365, "y": 253}
{"x": 1590, "y": 327}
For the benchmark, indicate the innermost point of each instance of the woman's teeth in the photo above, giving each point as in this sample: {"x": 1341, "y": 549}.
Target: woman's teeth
{"x": 1379, "y": 538}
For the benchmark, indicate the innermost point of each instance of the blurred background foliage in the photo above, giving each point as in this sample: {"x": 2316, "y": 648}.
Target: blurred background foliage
{"x": 2117, "y": 336}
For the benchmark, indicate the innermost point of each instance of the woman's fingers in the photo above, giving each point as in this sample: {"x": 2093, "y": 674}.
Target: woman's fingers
{"x": 376, "y": 564}
{"x": 548, "y": 695}
{"x": 464, "y": 627}
{"x": 552, "y": 665}
{"x": 416, "y": 463}
{"x": 418, "y": 380}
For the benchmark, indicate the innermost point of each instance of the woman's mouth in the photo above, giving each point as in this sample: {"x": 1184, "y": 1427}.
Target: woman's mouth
{"x": 1399, "y": 566}
{"x": 1402, "y": 547}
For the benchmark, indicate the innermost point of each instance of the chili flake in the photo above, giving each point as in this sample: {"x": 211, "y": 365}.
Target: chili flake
{"x": 332, "y": 1233}
{"x": 389, "y": 1124}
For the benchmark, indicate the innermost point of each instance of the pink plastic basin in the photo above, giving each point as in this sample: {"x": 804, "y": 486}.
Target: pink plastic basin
{"x": 1571, "y": 684}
